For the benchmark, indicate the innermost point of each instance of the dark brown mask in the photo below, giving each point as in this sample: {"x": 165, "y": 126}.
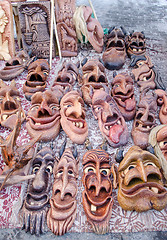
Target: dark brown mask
{"x": 123, "y": 93}
{"x": 36, "y": 80}
{"x": 44, "y": 116}
{"x": 144, "y": 120}
{"x": 63, "y": 202}
{"x": 111, "y": 122}
{"x": 97, "y": 200}
{"x": 73, "y": 117}
{"x": 162, "y": 101}
{"x": 115, "y": 52}
{"x": 36, "y": 202}
{"x": 140, "y": 182}
{"x": 9, "y": 105}
{"x": 136, "y": 44}
{"x": 93, "y": 77}
{"x": 144, "y": 72}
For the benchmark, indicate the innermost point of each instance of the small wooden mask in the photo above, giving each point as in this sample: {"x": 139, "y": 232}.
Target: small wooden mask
{"x": 63, "y": 203}
{"x": 9, "y": 105}
{"x": 136, "y": 44}
{"x": 145, "y": 119}
{"x": 97, "y": 200}
{"x": 140, "y": 182}
{"x": 38, "y": 72}
{"x": 73, "y": 117}
{"x": 36, "y": 203}
{"x": 44, "y": 116}
{"x": 111, "y": 122}
{"x": 162, "y": 101}
{"x": 115, "y": 52}
{"x": 123, "y": 93}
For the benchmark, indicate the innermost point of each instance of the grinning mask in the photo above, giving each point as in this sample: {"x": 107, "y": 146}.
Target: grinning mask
{"x": 140, "y": 182}
{"x": 111, "y": 122}
{"x": 9, "y": 105}
{"x": 44, "y": 116}
{"x": 97, "y": 200}
{"x": 123, "y": 93}
{"x": 36, "y": 202}
{"x": 63, "y": 202}
{"x": 73, "y": 117}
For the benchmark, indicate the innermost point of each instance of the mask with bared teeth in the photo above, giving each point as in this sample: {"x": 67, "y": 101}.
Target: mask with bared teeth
{"x": 145, "y": 119}
{"x": 97, "y": 199}
{"x": 10, "y": 103}
{"x": 73, "y": 117}
{"x": 123, "y": 93}
{"x": 111, "y": 122}
{"x": 44, "y": 116}
{"x": 140, "y": 181}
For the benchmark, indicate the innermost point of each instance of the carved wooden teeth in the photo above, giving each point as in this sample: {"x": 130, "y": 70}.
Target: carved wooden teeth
{"x": 93, "y": 208}
{"x": 37, "y": 124}
{"x": 117, "y": 123}
{"x": 154, "y": 189}
{"x": 78, "y": 124}
{"x": 144, "y": 79}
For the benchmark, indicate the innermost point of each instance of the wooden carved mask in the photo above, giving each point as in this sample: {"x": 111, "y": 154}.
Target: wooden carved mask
{"x": 111, "y": 122}
{"x": 97, "y": 200}
{"x": 44, "y": 116}
{"x": 140, "y": 182}
{"x": 63, "y": 202}
{"x": 9, "y": 105}
{"x": 123, "y": 93}
{"x": 73, "y": 117}
{"x": 162, "y": 101}
{"x": 36, "y": 202}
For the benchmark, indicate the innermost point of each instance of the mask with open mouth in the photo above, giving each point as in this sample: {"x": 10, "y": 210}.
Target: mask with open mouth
{"x": 111, "y": 122}
{"x": 10, "y": 103}
{"x": 97, "y": 200}
{"x": 115, "y": 52}
{"x": 73, "y": 117}
{"x": 44, "y": 116}
{"x": 36, "y": 203}
{"x": 140, "y": 182}
{"x": 38, "y": 72}
{"x": 63, "y": 203}
{"x": 93, "y": 76}
{"x": 145, "y": 119}
{"x": 162, "y": 101}
{"x": 123, "y": 93}
{"x": 144, "y": 73}
{"x": 135, "y": 44}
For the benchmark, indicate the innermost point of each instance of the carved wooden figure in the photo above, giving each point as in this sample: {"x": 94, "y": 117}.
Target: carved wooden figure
{"x": 97, "y": 199}
{"x": 63, "y": 203}
{"x": 65, "y": 27}
{"x": 111, "y": 122}
{"x": 162, "y": 101}
{"x": 35, "y": 26}
{"x": 140, "y": 181}
{"x": 7, "y": 45}
{"x": 36, "y": 202}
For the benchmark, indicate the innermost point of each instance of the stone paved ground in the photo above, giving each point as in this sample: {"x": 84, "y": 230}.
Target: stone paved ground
{"x": 151, "y": 17}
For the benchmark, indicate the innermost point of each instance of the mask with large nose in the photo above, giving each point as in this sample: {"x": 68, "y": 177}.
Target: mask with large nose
{"x": 36, "y": 202}
{"x": 140, "y": 181}
{"x": 111, "y": 122}
{"x": 63, "y": 202}
{"x": 97, "y": 200}
{"x": 73, "y": 117}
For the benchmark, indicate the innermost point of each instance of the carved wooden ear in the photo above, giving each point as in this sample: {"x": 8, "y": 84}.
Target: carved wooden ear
{"x": 114, "y": 74}
{"x": 119, "y": 155}
{"x": 84, "y": 61}
{"x": 62, "y": 148}
{"x": 114, "y": 171}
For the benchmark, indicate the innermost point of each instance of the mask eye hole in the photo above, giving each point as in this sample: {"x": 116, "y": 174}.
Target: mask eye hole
{"x": 70, "y": 172}
{"x": 149, "y": 164}
{"x": 60, "y": 172}
{"x": 35, "y": 169}
{"x": 105, "y": 171}
{"x": 90, "y": 170}
{"x": 49, "y": 169}
{"x": 129, "y": 168}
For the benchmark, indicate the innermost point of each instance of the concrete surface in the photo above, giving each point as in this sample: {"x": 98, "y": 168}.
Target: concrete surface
{"x": 151, "y": 17}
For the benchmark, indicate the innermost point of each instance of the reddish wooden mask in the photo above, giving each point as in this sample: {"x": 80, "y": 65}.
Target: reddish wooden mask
{"x": 136, "y": 44}
{"x": 97, "y": 200}
{"x": 115, "y": 52}
{"x": 144, "y": 120}
{"x": 140, "y": 182}
{"x": 123, "y": 93}
{"x": 63, "y": 202}
{"x": 111, "y": 122}
{"x": 36, "y": 202}
{"x": 9, "y": 104}
{"x": 73, "y": 117}
{"x": 162, "y": 101}
{"x": 44, "y": 116}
